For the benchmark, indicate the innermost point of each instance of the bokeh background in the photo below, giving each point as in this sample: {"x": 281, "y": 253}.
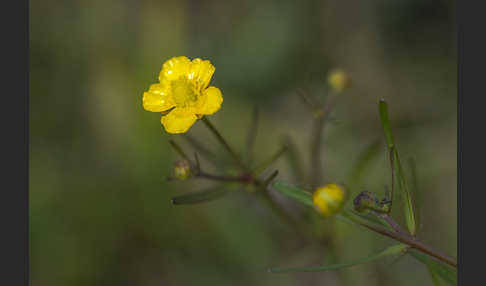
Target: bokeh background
{"x": 100, "y": 211}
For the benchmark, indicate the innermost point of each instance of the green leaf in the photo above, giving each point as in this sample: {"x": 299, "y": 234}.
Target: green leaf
{"x": 201, "y": 196}
{"x": 268, "y": 180}
{"x": 444, "y": 271}
{"x": 392, "y": 250}
{"x": 374, "y": 220}
{"x": 435, "y": 277}
{"x": 295, "y": 193}
{"x": 409, "y": 209}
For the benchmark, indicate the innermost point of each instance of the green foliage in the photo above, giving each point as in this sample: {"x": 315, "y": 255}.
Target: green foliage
{"x": 294, "y": 192}
{"x": 201, "y": 196}
{"x": 402, "y": 182}
{"x": 392, "y": 250}
{"x": 438, "y": 268}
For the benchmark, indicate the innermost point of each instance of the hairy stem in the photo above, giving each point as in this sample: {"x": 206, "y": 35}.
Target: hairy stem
{"x": 406, "y": 238}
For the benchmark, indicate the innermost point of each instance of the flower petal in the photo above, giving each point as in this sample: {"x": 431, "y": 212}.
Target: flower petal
{"x": 157, "y": 99}
{"x": 174, "y": 68}
{"x": 201, "y": 72}
{"x": 210, "y": 101}
{"x": 178, "y": 120}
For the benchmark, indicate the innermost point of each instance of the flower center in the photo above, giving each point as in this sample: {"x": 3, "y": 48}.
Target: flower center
{"x": 183, "y": 92}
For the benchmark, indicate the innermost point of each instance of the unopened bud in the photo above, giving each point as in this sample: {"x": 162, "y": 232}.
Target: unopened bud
{"x": 339, "y": 80}
{"x": 329, "y": 199}
{"x": 182, "y": 170}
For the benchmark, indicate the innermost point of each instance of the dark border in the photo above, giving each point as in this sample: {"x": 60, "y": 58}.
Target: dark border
{"x": 471, "y": 141}
{"x": 14, "y": 205}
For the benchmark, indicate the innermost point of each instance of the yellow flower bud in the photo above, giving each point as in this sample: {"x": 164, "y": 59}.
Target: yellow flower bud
{"x": 182, "y": 170}
{"x": 329, "y": 199}
{"x": 339, "y": 80}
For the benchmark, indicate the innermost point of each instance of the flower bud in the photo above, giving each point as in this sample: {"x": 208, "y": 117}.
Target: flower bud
{"x": 339, "y": 80}
{"x": 182, "y": 170}
{"x": 329, "y": 199}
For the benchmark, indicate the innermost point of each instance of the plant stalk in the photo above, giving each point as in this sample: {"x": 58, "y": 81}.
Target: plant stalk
{"x": 223, "y": 142}
{"x": 406, "y": 238}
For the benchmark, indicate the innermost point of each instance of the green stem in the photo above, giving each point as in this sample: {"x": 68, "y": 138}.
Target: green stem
{"x": 223, "y": 142}
{"x": 404, "y": 238}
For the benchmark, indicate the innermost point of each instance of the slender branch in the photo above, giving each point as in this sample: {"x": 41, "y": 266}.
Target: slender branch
{"x": 405, "y": 238}
{"x": 223, "y": 142}
{"x": 239, "y": 179}
{"x": 391, "y": 222}
{"x": 316, "y": 167}
{"x": 322, "y": 115}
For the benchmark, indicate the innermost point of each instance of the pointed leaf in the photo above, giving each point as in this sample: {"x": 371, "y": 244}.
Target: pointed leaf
{"x": 392, "y": 250}
{"x": 435, "y": 277}
{"x": 295, "y": 193}
{"x": 201, "y": 196}
{"x": 269, "y": 179}
{"x": 408, "y": 204}
{"x": 446, "y": 272}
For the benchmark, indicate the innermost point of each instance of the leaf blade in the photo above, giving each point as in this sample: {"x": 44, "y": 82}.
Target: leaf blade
{"x": 447, "y": 273}
{"x": 201, "y": 196}
{"x": 294, "y": 192}
{"x": 402, "y": 183}
{"x": 392, "y": 250}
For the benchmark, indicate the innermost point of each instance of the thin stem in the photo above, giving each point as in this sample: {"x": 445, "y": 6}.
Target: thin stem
{"x": 223, "y": 142}
{"x": 240, "y": 179}
{"x": 405, "y": 238}
{"x": 316, "y": 168}
{"x": 322, "y": 116}
{"x": 391, "y": 222}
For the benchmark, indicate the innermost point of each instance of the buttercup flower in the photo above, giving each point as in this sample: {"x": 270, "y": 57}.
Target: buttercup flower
{"x": 183, "y": 95}
{"x": 329, "y": 199}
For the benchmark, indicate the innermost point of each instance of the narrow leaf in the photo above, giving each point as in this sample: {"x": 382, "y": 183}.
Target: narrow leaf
{"x": 293, "y": 157}
{"x": 392, "y": 250}
{"x": 415, "y": 189}
{"x": 446, "y": 272}
{"x": 295, "y": 193}
{"x": 435, "y": 277}
{"x": 361, "y": 220}
{"x": 201, "y": 196}
{"x": 269, "y": 179}
{"x": 374, "y": 219}
{"x": 409, "y": 209}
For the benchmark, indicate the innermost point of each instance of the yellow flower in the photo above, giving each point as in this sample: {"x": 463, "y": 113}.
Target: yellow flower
{"x": 339, "y": 80}
{"x": 329, "y": 199}
{"x": 183, "y": 95}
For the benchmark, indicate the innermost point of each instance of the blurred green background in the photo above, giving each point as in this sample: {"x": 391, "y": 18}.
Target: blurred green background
{"x": 100, "y": 211}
